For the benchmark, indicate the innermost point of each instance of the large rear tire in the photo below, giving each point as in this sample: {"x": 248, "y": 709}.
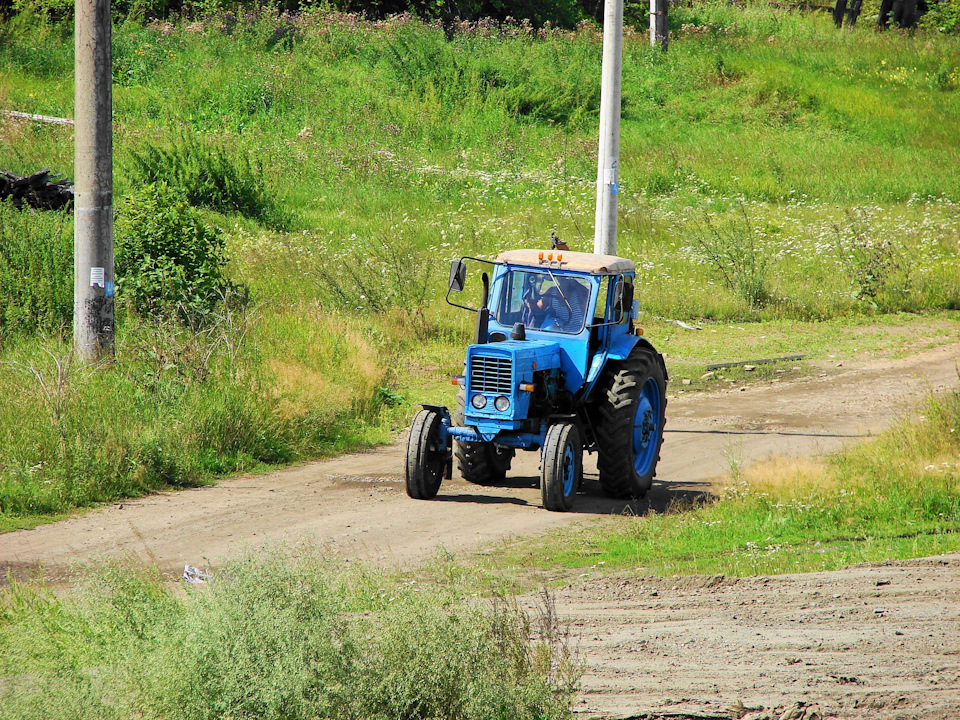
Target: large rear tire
{"x": 479, "y": 463}
{"x": 561, "y": 466}
{"x": 633, "y": 402}
{"x": 425, "y": 461}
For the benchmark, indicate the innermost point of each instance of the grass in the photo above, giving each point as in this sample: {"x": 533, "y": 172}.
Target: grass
{"x": 185, "y": 409}
{"x": 287, "y": 634}
{"x": 361, "y": 156}
{"x": 690, "y": 352}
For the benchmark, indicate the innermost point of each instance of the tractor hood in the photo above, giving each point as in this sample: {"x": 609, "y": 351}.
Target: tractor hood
{"x": 497, "y": 375}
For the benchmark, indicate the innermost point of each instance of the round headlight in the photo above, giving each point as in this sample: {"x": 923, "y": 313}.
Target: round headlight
{"x": 502, "y": 403}
{"x": 479, "y": 402}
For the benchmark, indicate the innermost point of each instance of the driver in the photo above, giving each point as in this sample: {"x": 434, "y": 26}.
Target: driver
{"x": 561, "y": 307}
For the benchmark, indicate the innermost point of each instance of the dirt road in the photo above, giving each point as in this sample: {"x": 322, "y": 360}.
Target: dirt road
{"x": 357, "y": 505}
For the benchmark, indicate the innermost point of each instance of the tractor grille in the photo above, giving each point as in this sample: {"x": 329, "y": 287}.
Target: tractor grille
{"x": 490, "y": 375}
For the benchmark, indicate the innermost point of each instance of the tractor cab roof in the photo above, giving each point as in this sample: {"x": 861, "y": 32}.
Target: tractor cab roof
{"x": 567, "y": 260}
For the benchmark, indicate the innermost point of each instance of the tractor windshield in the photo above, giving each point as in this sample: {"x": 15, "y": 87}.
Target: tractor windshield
{"x": 544, "y": 301}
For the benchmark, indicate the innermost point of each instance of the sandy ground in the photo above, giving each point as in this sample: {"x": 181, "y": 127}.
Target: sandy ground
{"x": 653, "y": 648}
{"x": 875, "y": 641}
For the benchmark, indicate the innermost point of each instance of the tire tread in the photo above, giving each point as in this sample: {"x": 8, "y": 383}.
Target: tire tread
{"x": 424, "y": 470}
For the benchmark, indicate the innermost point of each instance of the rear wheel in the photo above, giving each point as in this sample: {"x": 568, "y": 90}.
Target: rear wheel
{"x": 632, "y": 408}
{"x": 561, "y": 467}
{"x": 425, "y": 461}
{"x": 480, "y": 463}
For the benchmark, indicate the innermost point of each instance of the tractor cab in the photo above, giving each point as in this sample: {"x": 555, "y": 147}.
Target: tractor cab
{"x": 578, "y": 301}
{"x": 555, "y": 344}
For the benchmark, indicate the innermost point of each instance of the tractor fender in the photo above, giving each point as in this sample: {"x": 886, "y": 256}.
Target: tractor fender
{"x": 647, "y": 344}
{"x": 625, "y": 348}
{"x": 439, "y": 409}
{"x": 445, "y": 423}
{"x": 620, "y": 350}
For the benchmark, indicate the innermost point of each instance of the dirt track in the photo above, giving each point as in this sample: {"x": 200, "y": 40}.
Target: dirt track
{"x": 704, "y": 646}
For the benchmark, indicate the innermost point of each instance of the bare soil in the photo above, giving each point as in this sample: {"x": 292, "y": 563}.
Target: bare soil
{"x": 878, "y": 641}
{"x": 868, "y": 642}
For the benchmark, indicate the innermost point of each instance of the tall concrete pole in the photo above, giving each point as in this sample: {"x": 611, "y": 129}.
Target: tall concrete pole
{"x": 608, "y": 161}
{"x": 653, "y": 23}
{"x": 93, "y": 280}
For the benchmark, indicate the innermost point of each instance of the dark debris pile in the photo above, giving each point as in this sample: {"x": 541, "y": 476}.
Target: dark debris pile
{"x": 41, "y": 190}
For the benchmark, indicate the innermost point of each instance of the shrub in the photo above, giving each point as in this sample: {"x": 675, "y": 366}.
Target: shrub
{"x": 168, "y": 261}
{"x": 274, "y": 637}
{"x": 36, "y": 270}
{"x": 876, "y": 262}
{"x": 943, "y": 15}
{"x": 735, "y": 252}
{"x": 379, "y": 275}
{"x": 207, "y": 175}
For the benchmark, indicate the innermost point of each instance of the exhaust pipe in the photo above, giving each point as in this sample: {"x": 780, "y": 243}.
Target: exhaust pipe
{"x": 483, "y": 314}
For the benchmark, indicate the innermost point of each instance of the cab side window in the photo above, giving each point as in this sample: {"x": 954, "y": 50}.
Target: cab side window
{"x": 512, "y": 306}
{"x": 599, "y": 315}
{"x": 621, "y": 299}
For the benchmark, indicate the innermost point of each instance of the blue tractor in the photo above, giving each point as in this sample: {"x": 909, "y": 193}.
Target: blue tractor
{"x": 557, "y": 365}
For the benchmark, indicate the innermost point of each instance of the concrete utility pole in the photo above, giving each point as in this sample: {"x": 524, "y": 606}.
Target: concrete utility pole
{"x": 659, "y": 32}
{"x": 93, "y": 280}
{"x": 608, "y": 161}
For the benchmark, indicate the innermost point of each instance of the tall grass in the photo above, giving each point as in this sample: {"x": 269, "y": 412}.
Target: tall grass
{"x": 280, "y": 635}
{"x": 36, "y": 271}
{"x": 176, "y": 408}
{"x": 207, "y": 175}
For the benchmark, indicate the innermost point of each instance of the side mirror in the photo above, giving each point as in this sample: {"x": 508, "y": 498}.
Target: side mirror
{"x": 458, "y": 275}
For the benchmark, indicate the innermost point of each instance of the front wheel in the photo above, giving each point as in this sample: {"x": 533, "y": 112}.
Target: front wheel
{"x": 561, "y": 467}
{"x": 425, "y": 461}
{"x": 632, "y": 408}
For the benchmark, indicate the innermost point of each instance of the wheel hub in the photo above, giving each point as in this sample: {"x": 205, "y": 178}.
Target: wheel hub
{"x": 569, "y": 466}
{"x": 646, "y": 427}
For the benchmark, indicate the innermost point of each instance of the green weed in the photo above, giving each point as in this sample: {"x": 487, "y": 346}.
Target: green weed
{"x": 208, "y": 176}
{"x": 279, "y": 635}
{"x": 736, "y": 255}
{"x": 36, "y": 42}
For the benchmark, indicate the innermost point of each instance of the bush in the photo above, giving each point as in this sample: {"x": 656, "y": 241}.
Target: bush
{"x": 943, "y": 16}
{"x": 209, "y": 176}
{"x": 169, "y": 263}
{"x": 737, "y": 254}
{"x": 879, "y": 265}
{"x": 36, "y": 271}
{"x": 379, "y": 275}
